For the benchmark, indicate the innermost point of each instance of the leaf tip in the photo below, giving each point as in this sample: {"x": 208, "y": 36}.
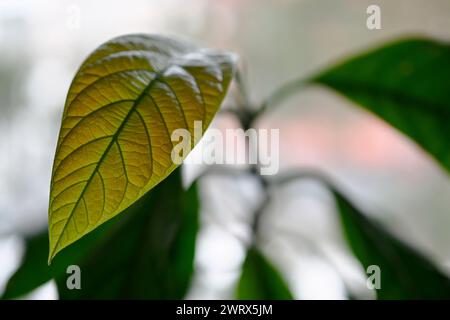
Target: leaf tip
{"x": 50, "y": 257}
{"x": 52, "y": 252}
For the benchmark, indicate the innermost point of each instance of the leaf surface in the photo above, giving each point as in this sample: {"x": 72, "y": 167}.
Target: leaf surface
{"x": 149, "y": 254}
{"x": 123, "y": 105}
{"x": 405, "y": 273}
{"x": 260, "y": 280}
{"x": 405, "y": 83}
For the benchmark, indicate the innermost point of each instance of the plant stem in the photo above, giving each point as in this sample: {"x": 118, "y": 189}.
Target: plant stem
{"x": 247, "y": 116}
{"x": 246, "y": 120}
{"x": 281, "y": 94}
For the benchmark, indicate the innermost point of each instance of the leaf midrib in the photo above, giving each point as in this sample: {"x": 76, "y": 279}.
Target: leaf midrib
{"x": 108, "y": 148}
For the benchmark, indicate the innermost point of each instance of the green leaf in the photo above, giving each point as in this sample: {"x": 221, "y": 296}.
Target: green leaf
{"x": 260, "y": 280}
{"x": 405, "y": 83}
{"x": 34, "y": 270}
{"x": 123, "y": 105}
{"x": 405, "y": 273}
{"x": 150, "y": 254}
{"x": 147, "y": 252}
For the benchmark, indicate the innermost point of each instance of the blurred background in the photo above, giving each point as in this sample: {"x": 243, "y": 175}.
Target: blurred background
{"x": 42, "y": 43}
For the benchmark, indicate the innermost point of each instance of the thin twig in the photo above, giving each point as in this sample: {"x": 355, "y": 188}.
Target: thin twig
{"x": 281, "y": 94}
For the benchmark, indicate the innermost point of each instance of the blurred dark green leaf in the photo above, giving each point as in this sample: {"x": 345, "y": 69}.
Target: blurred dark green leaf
{"x": 34, "y": 270}
{"x": 405, "y": 83}
{"x": 405, "y": 273}
{"x": 146, "y": 253}
{"x": 149, "y": 255}
{"x": 260, "y": 280}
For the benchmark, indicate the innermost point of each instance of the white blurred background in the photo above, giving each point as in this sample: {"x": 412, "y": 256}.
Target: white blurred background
{"x": 42, "y": 43}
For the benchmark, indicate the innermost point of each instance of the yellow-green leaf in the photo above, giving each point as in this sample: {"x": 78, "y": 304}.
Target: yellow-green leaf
{"x": 115, "y": 143}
